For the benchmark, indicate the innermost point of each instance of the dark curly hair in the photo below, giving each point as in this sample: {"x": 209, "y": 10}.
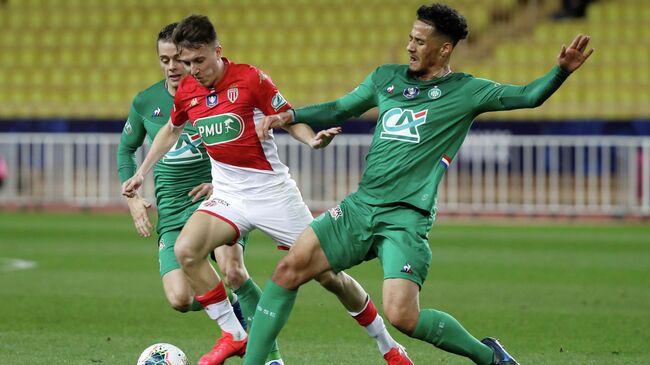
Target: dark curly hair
{"x": 194, "y": 32}
{"x": 446, "y": 21}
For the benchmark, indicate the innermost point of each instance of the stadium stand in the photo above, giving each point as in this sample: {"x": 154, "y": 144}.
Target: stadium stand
{"x": 79, "y": 59}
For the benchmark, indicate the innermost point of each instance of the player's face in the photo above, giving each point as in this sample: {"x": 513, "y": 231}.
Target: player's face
{"x": 170, "y": 64}
{"x": 202, "y": 63}
{"x": 424, "y": 48}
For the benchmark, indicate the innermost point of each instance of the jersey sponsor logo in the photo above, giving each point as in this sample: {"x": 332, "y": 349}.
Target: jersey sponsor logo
{"x": 402, "y": 125}
{"x": 221, "y": 128}
{"x": 435, "y": 93}
{"x": 233, "y": 94}
{"x": 336, "y": 212}
{"x": 411, "y": 92}
{"x": 278, "y": 101}
{"x": 186, "y": 150}
{"x": 211, "y": 100}
{"x": 156, "y": 112}
{"x": 127, "y": 127}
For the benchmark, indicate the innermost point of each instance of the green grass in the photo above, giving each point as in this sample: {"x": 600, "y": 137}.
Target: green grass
{"x": 555, "y": 293}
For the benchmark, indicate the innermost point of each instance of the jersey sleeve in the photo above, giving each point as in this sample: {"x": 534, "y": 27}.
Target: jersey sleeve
{"x": 355, "y": 103}
{"x": 133, "y": 135}
{"x": 489, "y": 96}
{"x": 267, "y": 96}
{"x": 178, "y": 115}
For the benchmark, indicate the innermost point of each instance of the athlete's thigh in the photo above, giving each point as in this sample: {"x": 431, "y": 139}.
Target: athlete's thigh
{"x": 166, "y": 257}
{"x": 204, "y": 232}
{"x": 283, "y": 215}
{"x": 305, "y": 261}
{"x": 401, "y": 242}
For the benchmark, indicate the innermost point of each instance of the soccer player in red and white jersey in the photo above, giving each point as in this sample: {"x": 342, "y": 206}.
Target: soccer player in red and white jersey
{"x": 252, "y": 187}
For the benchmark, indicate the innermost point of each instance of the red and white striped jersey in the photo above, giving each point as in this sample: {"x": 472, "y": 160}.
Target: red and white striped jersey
{"x": 225, "y": 116}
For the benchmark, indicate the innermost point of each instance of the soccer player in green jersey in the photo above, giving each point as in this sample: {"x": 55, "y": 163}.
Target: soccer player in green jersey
{"x": 425, "y": 112}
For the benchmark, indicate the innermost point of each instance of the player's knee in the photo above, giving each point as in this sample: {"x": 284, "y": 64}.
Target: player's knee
{"x": 401, "y": 318}
{"x": 287, "y": 274}
{"x": 185, "y": 256}
{"x": 180, "y": 303}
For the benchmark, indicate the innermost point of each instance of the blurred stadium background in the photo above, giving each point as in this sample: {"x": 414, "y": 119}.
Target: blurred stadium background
{"x": 70, "y": 69}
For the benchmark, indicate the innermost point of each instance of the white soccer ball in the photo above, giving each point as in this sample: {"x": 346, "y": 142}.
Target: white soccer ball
{"x": 162, "y": 354}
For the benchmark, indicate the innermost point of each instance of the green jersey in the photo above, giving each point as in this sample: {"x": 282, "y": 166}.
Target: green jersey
{"x": 421, "y": 126}
{"x": 185, "y": 166}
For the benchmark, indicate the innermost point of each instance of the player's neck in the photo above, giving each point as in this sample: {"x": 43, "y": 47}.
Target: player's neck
{"x": 435, "y": 72}
{"x": 221, "y": 72}
{"x": 170, "y": 88}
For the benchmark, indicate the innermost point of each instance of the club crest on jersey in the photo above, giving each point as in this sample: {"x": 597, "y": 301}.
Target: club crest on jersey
{"x": 435, "y": 93}
{"x": 278, "y": 101}
{"x": 402, "y": 125}
{"x": 156, "y": 113}
{"x": 211, "y": 100}
{"x": 233, "y": 94}
{"x": 411, "y": 92}
{"x": 220, "y": 128}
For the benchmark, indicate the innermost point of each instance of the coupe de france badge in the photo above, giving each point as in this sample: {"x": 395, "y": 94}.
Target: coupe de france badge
{"x": 411, "y": 92}
{"x": 211, "y": 100}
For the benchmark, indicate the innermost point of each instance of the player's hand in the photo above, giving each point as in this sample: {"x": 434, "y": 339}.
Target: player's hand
{"x": 272, "y": 121}
{"x": 138, "y": 208}
{"x": 571, "y": 58}
{"x": 201, "y": 191}
{"x": 324, "y": 137}
{"x": 131, "y": 186}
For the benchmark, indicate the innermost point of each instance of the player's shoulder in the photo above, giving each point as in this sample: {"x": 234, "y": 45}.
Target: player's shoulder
{"x": 155, "y": 91}
{"x": 187, "y": 85}
{"x": 388, "y": 73}
{"x": 249, "y": 72}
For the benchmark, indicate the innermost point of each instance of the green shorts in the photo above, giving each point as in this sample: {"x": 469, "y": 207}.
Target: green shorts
{"x": 354, "y": 232}
{"x": 166, "y": 257}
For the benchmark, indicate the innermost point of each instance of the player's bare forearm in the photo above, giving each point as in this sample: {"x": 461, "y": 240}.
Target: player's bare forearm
{"x": 301, "y": 132}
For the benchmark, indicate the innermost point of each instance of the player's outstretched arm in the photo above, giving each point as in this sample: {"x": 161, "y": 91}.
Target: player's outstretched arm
{"x": 281, "y": 120}
{"x": 572, "y": 57}
{"x": 165, "y": 139}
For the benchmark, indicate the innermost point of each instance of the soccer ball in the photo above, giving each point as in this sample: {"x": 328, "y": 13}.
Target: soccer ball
{"x": 162, "y": 354}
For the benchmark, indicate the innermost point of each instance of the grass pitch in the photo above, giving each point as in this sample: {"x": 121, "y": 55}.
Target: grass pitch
{"x": 554, "y": 293}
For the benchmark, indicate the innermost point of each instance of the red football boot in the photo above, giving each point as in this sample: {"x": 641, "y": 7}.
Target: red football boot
{"x": 397, "y": 356}
{"x": 224, "y": 348}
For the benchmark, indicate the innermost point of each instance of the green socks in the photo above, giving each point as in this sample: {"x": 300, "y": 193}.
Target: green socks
{"x": 249, "y": 295}
{"x": 272, "y": 313}
{"x": 444, "y": 332}
{"x": 196, "y": 306}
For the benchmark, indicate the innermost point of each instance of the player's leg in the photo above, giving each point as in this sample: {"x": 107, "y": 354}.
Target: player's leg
{"x": 405, "y": 256}
{"x": 177, "y": 290}
{"x": 359, "y": 305}
{"x": 304, "y": 262}
{"x": 230, "y": 260}
{"x": 202, "y": 233}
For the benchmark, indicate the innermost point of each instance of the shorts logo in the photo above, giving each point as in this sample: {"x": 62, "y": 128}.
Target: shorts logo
{"x": 214, "y": 201}
{"x": 407, "y": 269}
{"x": 161, "y": 244}
{"x": 336, "y": 212}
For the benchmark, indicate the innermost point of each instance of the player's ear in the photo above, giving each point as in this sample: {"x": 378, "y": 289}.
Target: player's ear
{"x": 218, "y": 50}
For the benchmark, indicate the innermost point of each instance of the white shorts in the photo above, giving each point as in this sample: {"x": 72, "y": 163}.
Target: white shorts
{"x": 283, "y": 215}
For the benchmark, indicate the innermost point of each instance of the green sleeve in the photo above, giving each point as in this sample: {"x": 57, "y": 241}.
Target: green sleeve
{"x": 360, "y": 100}
{"x": 490, "y": 96}
{"x": 132, "y": 138}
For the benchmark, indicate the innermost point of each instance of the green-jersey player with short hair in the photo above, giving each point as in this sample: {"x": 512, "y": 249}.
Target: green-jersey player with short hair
{"x": 425, "y": 112}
